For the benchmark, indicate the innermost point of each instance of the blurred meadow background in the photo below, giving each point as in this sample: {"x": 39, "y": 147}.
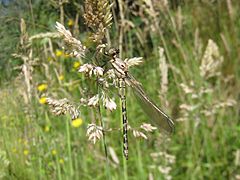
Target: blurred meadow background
{"x": 191, "y": 54}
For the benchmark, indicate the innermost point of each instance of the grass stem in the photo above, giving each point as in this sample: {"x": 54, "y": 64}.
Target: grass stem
{"x": 69, "y": 148}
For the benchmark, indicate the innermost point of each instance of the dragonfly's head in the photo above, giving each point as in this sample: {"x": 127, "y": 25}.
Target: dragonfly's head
{"x": 113, "y": 52}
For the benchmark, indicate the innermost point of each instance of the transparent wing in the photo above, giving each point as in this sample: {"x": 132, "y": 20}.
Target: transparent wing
{"x": 155, "y": 114}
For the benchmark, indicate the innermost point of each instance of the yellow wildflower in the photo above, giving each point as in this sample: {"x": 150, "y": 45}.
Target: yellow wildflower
{"x": 61, "y": 77}
{"x": 25, "y": 152}
{"x": 76, "y": 64}
{"x": 77, "y": 122}
{"x": 43, "y": 100}
{"x": 47, "y": 128}
{"x": 59, "y": 53}
{"x": 42, "y": 87}
{"x": 70, "y": 22}
{"x": 54, "y": 152}
{"x": 61, "y": 161}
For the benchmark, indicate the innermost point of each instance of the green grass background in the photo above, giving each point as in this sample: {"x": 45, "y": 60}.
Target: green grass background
{"x": 204, "y": 147}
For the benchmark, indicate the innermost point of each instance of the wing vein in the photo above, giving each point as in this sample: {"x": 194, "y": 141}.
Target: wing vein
{"x": 150, "y": 108}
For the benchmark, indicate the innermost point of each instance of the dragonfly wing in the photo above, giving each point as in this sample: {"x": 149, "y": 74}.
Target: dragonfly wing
{"x": 155, "y": 114}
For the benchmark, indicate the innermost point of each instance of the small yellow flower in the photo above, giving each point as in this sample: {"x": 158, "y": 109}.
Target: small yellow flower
{"x": 43, "y": 100}
{"x": 59, "y": 53}
{"x": 61, "y": 77}
{"x": 47, "y": 129}
{"x": 70, "y": 22}
{"x": 54, "y": 152}
{"x": 61, "y": 161}
{"x": 42, "y": 87}
{"x": 77, "y": 122}
{"x": 76, "y": 64}
{"x": 25, "y": 152}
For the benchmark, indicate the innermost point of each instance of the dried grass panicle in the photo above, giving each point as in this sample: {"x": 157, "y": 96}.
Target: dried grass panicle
{"x": 26, "y": 55}
{"x": 138, "y": 134}
{"x": 168, "y": 157}
{"x": 105, "y": 79}
{"x": 93, "y": 101}
{"x": 94, "y": 133}
{"x": 188, "y": 107}
{"x": 90, "y": 70}
{"x": 149, "y": 8}
{"x": 148, "y": 127}
{"x": 98, "y": 12}
{"x": 206, "y": 110}
{"x": 164, "y": 71}
{"x": 98, "y": 17}
{"x": 44, "y": 35}
{"x": 113, "y": 155}
{"x": 24, "y": 39}
{"x": 73, "y": 45}
{"x": 133, "y": 61}
{"x": 162, "y": 4}
{"x": 62, "y": 107}
{"x": 166, "y": 167}
{"x": 109, "y": 104}
{"x": 224, "y": 104}
{"x": 209, "y": 67}
{"x": 186, "y": 89}
{"x": 149, "y": 11}
{"x": 211, "y": 61}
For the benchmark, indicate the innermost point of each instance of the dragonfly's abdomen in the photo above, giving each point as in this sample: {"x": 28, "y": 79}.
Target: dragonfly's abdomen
{"x": 122, "y": 93}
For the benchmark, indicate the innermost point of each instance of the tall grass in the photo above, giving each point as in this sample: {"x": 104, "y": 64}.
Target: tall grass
{"x": 194, "y": 45}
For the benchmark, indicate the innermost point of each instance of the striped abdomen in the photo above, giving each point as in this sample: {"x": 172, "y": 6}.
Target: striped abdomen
{"x": 122, "y": 93}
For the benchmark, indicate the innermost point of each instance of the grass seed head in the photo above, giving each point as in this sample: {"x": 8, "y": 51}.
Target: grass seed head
{"x": 211, "y": 61}
{"x": 74, "y": 46}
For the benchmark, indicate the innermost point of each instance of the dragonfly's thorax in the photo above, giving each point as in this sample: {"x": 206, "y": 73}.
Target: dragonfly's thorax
{"x": 120, "y": 67}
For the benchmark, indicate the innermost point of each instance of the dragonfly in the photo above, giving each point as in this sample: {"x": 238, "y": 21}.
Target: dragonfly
{"x": 159, "y": 117}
